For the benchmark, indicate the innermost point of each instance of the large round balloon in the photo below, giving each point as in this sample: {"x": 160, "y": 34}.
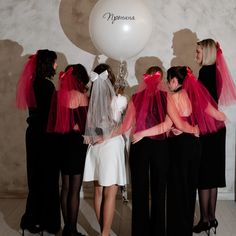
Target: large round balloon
{"x": 120, "y": 29}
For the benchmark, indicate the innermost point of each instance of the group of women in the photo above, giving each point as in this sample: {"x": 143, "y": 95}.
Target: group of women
{"x": 177, "y": 134}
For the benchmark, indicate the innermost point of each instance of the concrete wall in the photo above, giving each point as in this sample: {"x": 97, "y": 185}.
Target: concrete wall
{"x": 28, "y": 25}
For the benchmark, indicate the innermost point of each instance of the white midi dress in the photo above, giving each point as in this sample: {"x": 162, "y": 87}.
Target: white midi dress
{"x": 105, "y": 162}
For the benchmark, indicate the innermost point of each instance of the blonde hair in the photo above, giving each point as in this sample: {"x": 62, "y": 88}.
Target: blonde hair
{"x": 209, "y": 51}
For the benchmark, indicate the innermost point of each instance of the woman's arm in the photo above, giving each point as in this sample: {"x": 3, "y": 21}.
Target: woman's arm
{"x": 177, "y": 120}
{"x": 129, "y": 119}
{"x": 213, "y": 112}
{"x": 128, "y": 122}
{"x": 155, "y": 130}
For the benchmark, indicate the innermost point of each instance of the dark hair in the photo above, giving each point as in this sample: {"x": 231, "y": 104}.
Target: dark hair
{"x": 153, "y": 69}
{"x": 80, "y": 72}
{"x": 44, "y": 64}
{"x": 179, "y": 72}
{"x": 102, "y": 67}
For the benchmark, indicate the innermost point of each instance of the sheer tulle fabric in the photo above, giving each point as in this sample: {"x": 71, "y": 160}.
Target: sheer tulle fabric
{"x": 204, "y": 108}
{"x": 148, "y": 106}
{"x": 226, "y": 88}
{"x": 69, "y": 105}
{"x": 25, "y": 97}
{"x": 103, "y": 114}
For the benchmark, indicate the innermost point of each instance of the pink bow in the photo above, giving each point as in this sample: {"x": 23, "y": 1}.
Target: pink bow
{"x": 151, "y": 78}
{"x": 189, "y": 72}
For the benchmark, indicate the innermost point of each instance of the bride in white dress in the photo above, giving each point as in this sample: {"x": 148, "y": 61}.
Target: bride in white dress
{"x": 105, "y": 160}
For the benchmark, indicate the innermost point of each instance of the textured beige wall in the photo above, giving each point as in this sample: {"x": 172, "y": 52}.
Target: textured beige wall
{"x": 63, "y": 26}
{"x": 12, "y": 121}
{"x": 74, "y": 16}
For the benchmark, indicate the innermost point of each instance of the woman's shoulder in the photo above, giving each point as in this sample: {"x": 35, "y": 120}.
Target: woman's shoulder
{"x": 44, "y": 85}
{"x": 207, "y": 74}
{"x": 122, "y": 98}
{"x": 78, "y": 99}
{"x": 208, "y": 69}
{"x": 122, "y": 101}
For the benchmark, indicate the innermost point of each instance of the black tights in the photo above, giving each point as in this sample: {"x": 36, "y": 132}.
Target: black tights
{"x": 70, "y": 199}
{"x": 207, "y": 201}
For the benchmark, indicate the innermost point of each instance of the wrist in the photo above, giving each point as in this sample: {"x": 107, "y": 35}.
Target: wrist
{"x": 142, "y": 133}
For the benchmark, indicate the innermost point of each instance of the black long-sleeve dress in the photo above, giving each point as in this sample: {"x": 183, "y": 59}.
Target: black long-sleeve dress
{"x": 43, "y": 205}
{"x": 212, "y": 167}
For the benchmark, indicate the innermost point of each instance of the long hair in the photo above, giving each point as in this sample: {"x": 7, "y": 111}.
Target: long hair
{"x": 38, "y": 66}
{"x": 209, "y": 51}
{"x": 44, "y": 64}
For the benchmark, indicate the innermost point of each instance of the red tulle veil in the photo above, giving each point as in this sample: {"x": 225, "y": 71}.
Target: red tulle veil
{"x": 203, "y": 105}
{"x": 226, "y": 88}
{"x": 25, "y": 97}
{"x": 69, "y": 105}
{"x": 148, "y": 105}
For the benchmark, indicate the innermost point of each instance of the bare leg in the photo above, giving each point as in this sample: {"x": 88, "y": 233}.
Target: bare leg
{"x": 98, "y": 193}
{"x": 108, "y": 208}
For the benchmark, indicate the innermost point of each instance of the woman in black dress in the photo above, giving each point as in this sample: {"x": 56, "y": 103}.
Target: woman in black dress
{"x": 193, "y": 104}
{"x": 70, "y": 104}
{"x": 34, "y": 92}
{"x": 216, "y": 78}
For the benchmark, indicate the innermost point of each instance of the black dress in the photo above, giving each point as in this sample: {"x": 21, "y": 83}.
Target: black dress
{"x": 212, "y": 167}
{"x": 43, "y": 204}
{"x": 72, "y": 147}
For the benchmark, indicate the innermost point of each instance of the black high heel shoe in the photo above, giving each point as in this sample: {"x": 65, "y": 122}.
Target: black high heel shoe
{"x": 202, "y": 226}
{"x": 33, "y": 230}
{"x": 29, "y": 226}
{"x": 70, "y": 232}
{"x": 214, "y": 225}
{"x": 76, "y": 233}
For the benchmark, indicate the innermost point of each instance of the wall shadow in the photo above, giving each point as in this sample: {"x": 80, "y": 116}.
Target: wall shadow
{"x": 13, "y": 121}
{"x": 74, "y": 19}
{"x": 141, "y": 65}
{"x": 184, "y": 48}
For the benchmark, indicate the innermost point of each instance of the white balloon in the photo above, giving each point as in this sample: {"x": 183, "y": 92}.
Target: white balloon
{"x": 120, "y": 29}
